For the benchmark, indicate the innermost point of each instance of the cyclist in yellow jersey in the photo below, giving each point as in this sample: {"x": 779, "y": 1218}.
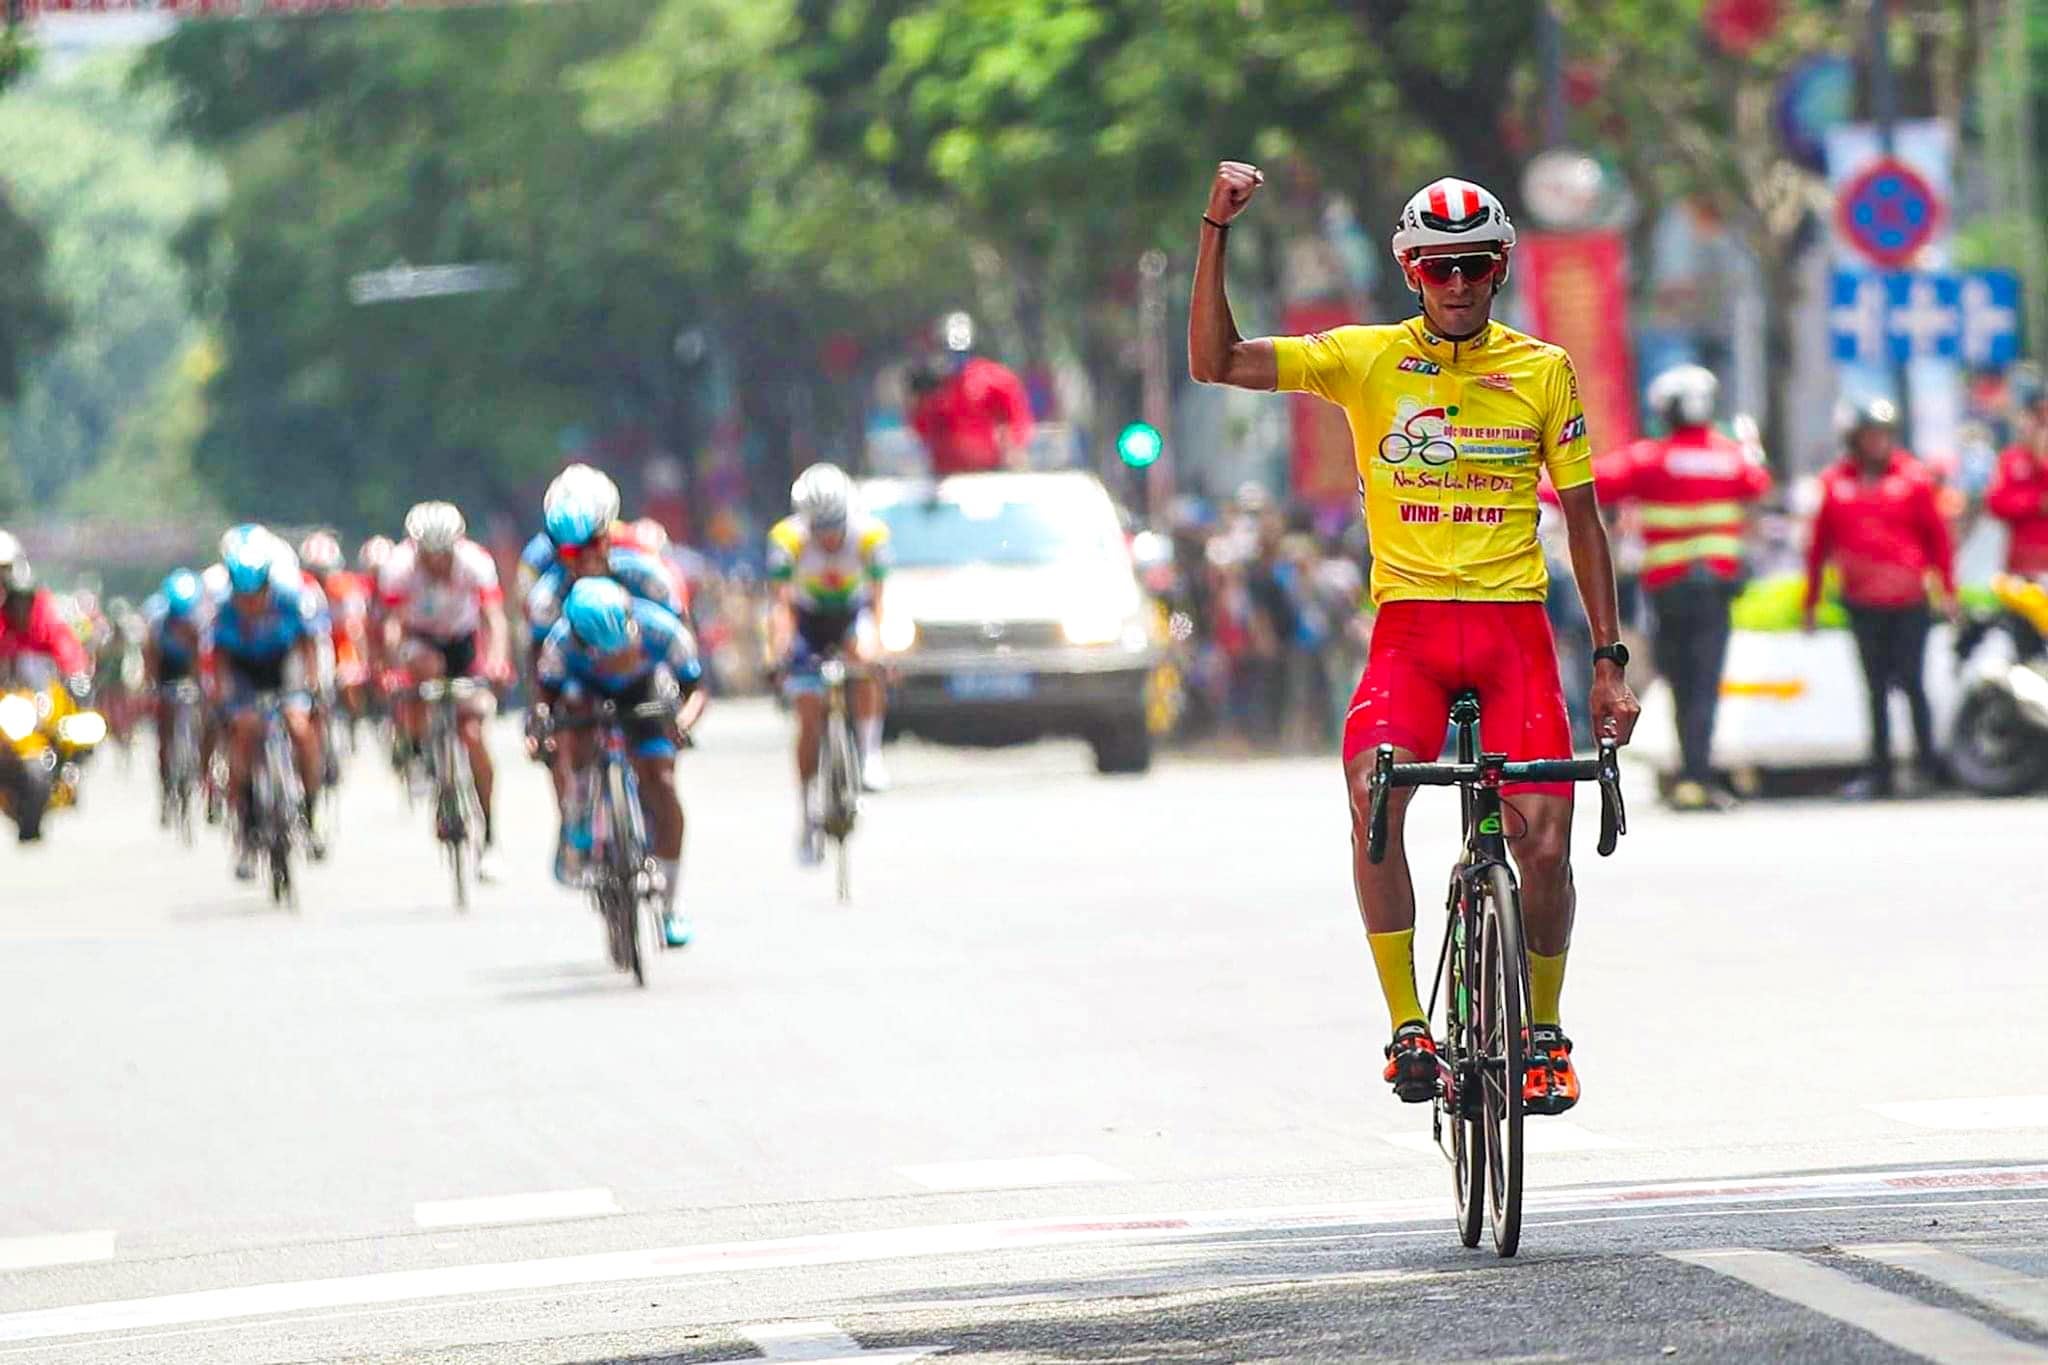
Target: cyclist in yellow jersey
{"x": 1454, "y": 418}
{"x": 829, "y": 561}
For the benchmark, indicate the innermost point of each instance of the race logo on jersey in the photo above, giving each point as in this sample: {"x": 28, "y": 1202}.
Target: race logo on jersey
{"x": 1419, "y": 432}
{"x": 1415, "y": 364}
{"x": 1498, "y": 380}
{"x": 1573, "y": 429}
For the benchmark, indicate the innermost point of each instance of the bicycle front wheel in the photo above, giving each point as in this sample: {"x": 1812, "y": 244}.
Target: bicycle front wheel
{"x": 1458, "y": 1101}
{"x": 1503, "y": 996}
{"x": 628, "y": 860}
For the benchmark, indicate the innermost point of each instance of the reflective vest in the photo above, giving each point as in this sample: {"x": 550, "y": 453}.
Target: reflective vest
{"x": 1692, "y": 490}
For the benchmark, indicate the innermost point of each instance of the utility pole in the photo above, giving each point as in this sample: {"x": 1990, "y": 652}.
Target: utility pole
{"x": 2019, "y": 83}
{"x": 1550, "y": 58}
{"x": 1884, "y": 108}
{"x": 1156, "y": 399}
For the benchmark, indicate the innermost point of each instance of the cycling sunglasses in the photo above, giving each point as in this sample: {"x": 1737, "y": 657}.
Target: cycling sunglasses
{"x": 1477, "y": 267}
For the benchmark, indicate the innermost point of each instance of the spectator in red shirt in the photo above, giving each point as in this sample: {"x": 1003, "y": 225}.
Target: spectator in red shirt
{"x": 2018, "y": 495}
{"x": 972, "y": 413}
{"x": 1879, "y": 526}
{"x": 1693, "y": 489}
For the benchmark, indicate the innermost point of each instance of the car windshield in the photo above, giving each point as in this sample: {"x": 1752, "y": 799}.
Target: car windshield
{"x": 997, "y": 531}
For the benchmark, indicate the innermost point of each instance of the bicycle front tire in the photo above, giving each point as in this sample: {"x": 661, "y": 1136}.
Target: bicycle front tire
{"x": 1502, "y": 1020}
{"x": 1461, "y": 1055}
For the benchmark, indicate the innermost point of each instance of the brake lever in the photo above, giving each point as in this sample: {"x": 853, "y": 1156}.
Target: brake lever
{"x": 1376, "y": 823}
{"x": 1613, "y": 813}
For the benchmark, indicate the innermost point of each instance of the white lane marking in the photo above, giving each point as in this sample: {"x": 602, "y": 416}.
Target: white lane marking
{"x": 727, "y": 1258}
{"x": 2018, "y": 1296}
{"x": 823, "y": 1344}
{"x": 1987, "y": 1113}
{"x": 1940, "y": 1334}
{"x": 1551, "y": 1137}
{"x": 60, "y": 1248}
{"x": 1012, "y": 1173}
{"x": 539, "y": 1207}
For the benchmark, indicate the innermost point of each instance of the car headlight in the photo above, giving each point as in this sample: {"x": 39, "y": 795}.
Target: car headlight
{"x": 17, "y": 717}
{"x": 1093, "y": 626}
{"x": 898, "y": 632}
{"x": 83, "y": 729}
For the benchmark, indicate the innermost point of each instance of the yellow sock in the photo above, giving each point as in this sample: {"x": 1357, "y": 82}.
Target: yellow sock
{"x": 1394, "y": 955}
{"x": 1546, "y": 984}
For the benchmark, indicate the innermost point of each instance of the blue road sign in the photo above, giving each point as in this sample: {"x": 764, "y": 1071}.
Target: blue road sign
{"x": 1903, "y": 316}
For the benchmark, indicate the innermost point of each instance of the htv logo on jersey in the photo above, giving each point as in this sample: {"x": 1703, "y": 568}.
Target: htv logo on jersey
{"x": 1415, "y": 364}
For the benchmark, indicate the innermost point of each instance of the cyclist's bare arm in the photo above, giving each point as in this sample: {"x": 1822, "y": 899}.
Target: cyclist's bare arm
{"x": 1216, "y": 353}
{"x": 1613, "y": 705}
{"x": 782, "y": 622}
{"x": 692, "y": 709}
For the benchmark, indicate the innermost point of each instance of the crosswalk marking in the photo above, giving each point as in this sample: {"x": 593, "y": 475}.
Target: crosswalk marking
{"x": 2018, "y": 1296}
{"x": 1011, "y": 1173}
{"x": 1941, "y": 1335}
{"x": 538, "y": 1207}
{"x": 60, "y": 1248}
{"x": 822, "y": 1343}
{"x": 1989, "y": 1112}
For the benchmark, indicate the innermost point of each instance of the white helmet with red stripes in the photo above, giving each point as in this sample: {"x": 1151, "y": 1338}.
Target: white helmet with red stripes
{"x": 1452, "y": 213}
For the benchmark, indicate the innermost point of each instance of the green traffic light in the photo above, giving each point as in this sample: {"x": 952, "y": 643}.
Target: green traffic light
{"x": 1139, "y": 444}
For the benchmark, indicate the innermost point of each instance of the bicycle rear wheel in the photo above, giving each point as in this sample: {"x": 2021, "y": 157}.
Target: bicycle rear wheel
{"x": 1503, "y": 993}
{"x": 1458, "y": 1102}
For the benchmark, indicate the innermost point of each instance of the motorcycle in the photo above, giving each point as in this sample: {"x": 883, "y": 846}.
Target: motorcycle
{"x": 1999, "y": 743}
{"x": 45, "y": 739}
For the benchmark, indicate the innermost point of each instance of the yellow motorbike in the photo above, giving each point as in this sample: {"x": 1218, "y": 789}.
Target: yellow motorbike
{"x": 45, "y": 738}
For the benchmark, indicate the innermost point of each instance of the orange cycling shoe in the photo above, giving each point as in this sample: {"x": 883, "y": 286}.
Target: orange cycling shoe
{"x": 1411, "y": 1064}
{"x": 1550, "y": 1085}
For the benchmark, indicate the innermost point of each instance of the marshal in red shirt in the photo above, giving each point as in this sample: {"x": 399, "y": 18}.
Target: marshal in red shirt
{"x": 1693, "y": 489}
{"x": 1884, "y": 534}
{"x": 958, "y": 420}
{"x": 2018, "y": 496}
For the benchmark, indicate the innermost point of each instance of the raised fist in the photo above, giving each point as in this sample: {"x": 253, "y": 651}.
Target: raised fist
{"x": 1236, "y": 182}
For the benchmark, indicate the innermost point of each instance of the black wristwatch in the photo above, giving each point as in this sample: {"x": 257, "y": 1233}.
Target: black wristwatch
{"x": 1617, "y": 652}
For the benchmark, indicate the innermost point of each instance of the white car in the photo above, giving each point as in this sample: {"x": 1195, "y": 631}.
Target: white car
{"x": 1012, "y": 611}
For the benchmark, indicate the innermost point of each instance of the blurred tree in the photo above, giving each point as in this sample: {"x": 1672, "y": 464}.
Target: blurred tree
{"x": 91, "y": 162}
{"x": 31, "y": 318}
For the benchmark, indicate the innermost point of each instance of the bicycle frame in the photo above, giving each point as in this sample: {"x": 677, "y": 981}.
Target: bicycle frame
{"x": 1480, "y": 1060}
{"x": 458, "y": 807}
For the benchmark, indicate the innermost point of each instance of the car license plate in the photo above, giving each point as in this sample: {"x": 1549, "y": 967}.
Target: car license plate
{"x": 989, "y": 686}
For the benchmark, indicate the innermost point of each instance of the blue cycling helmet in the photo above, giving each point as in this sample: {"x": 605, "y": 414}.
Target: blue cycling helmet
{"x": 600, "y": 612}
{"x": 181, "y": 593}
{"x": 246, "y": 552}
{"x": 575, "y": 519}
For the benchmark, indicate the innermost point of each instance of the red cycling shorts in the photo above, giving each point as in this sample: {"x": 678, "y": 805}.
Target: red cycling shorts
{"x": 1424, "y": 653}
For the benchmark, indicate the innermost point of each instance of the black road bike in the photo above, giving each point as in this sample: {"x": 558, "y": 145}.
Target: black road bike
{"x": 1482, "y": 976}
{"x": 458, "y": 809}
{"x": 624, "y": 884}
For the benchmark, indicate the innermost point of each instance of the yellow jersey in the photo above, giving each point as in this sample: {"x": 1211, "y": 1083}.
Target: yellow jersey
{"x": 837, "y": 581}
{"x": 1449, "y": 437}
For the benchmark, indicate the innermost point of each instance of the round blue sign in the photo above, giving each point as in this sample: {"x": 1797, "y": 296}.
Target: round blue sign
{"x": 1888, "y": 211}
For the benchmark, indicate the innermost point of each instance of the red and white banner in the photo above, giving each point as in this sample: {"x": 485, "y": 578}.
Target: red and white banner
{"x": 1574, "y": 285}
{"x": 1324, "y": 467}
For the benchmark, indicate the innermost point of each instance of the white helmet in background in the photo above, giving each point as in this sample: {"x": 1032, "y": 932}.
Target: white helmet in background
{"x": 436, "y": 527}
{"x": 823, "y": 496}
{"x": 1685, "y": 395}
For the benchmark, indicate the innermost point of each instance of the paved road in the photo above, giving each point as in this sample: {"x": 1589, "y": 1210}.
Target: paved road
{"x": 1088, "y": 1072}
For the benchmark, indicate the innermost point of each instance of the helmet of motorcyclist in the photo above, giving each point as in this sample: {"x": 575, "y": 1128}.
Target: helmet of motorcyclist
{"x": 321, "y": 553}
{"x": 436, "y": 527}
{"x": 1449, "y": 216}
{"x": 181, "y": 590}
{"x": 247, "y": 552}
{"x": 1684, "y": 396}
{"x": 823, "y": 496}
{"x": 600, "y": 614}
